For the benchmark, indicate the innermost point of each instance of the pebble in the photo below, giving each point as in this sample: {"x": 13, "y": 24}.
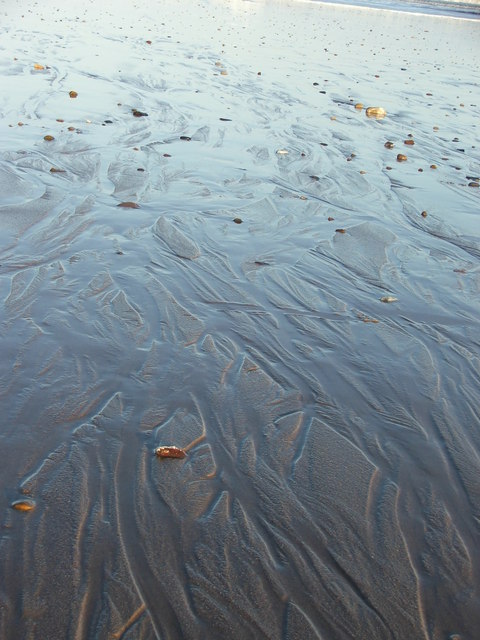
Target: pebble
{"x": 388, "y": 144}
{"x": 375, "y": 112}
{"x": 367, "y": 319}
{"x": 129, "y": 205}
{"x": 170, "y": 452}
{"x": 238, "y": 220}
{"x": 424, "y": 214}
{"x": 48, "y": 138}
{"x": 24, "y": 505}
{"x": 409, "y": 141}
{"x": 72, "y": 94}
{"x": 388, "y": 299}
{"x": 401, "y": 158}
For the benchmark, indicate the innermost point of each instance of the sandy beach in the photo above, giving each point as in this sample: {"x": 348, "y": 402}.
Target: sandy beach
{"x": 206, "y": 243}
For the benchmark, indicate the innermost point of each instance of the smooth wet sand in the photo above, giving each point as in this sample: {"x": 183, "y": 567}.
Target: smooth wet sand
{"x": 331, "y": 484}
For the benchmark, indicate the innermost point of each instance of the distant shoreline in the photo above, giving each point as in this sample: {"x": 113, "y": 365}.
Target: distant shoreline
{"x": 458, "y": 10}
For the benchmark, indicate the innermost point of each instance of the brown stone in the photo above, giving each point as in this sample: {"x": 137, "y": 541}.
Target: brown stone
{"x": 129, "y": 205}
{"x": 170, "y": 452}
{"x": 24, "y": 505}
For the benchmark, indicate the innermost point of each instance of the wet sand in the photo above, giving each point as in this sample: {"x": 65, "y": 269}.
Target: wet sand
{"x": 234, "y": 309}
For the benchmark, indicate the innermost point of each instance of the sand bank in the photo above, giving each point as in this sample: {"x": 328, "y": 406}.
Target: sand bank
{"x": 232, "y": 307}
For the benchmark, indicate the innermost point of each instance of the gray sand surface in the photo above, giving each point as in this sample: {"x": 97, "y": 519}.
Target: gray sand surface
{"x": 331, "y": 483}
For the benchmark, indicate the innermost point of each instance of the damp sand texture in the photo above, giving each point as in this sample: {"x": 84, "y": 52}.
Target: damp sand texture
{"x": 239, "y": 373}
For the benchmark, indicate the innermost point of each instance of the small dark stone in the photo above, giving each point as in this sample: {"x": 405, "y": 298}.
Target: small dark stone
{"x": 139, "y": 114}
{"x": 238, "y": 220}
{"x": 128, "y": 205}
{"x": 186, "y": 138}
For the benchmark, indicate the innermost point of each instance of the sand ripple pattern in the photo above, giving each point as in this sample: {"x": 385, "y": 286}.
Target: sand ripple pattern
{"x": 330, "y": 488}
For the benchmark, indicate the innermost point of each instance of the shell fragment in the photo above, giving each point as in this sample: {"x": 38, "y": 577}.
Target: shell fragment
{"x": 388, "y": 299}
